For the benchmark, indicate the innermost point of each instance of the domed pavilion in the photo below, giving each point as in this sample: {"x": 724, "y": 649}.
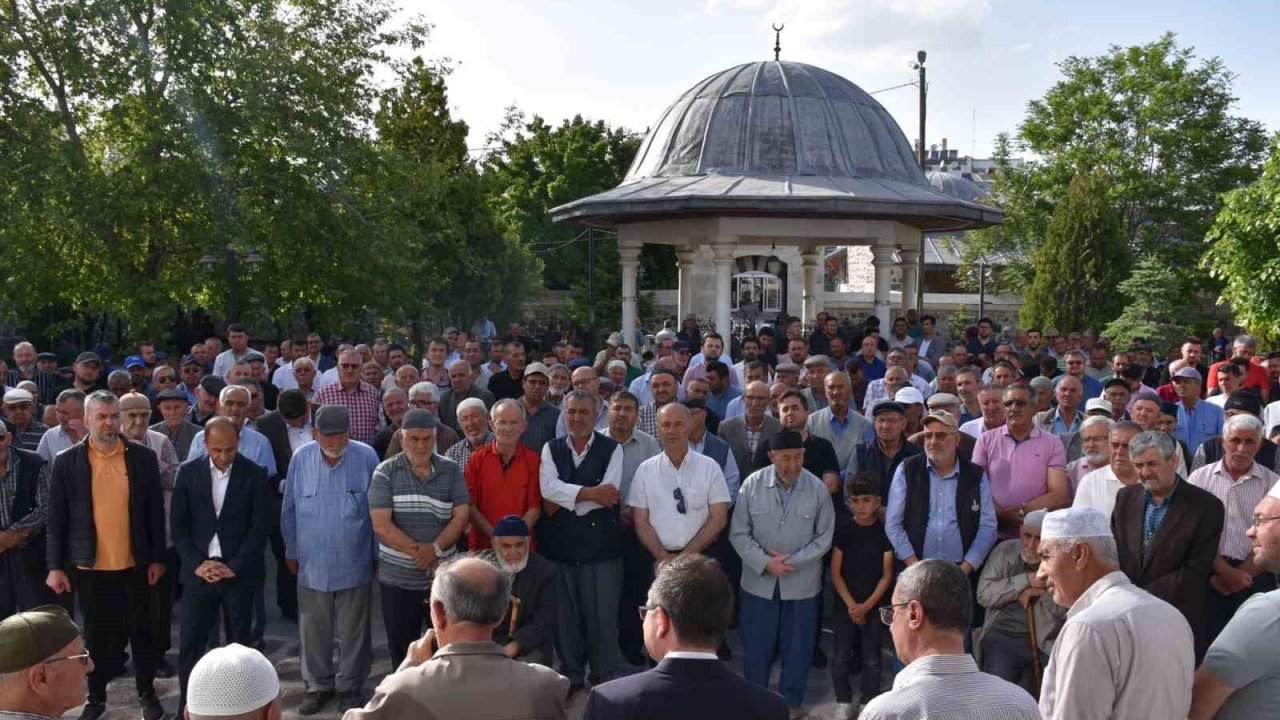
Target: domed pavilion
{"x": 752, "y": 173}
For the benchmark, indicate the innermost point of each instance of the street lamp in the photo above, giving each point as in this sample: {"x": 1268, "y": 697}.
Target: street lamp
{"x": 233, "y": 258}
{"x": 919, "y": 65}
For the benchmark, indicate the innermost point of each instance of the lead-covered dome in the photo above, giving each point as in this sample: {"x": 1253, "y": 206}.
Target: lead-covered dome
{"x": 776, "y": 118}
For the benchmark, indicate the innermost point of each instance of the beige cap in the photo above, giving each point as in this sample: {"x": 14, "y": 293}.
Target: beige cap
{"x": 940, "y": 416}
{"x": 134, "y": 402}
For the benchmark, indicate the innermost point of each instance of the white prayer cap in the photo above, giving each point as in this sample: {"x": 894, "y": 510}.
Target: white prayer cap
{"x": 1081, "y": 522}
{"x": 1035, "y": 518}
{"x": 231, "y": 680}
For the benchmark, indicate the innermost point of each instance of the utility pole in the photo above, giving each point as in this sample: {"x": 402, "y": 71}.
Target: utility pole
{"x": 920, "y": 56}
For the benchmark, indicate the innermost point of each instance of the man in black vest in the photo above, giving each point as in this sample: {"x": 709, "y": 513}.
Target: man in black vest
{"x": 24, "y": 495}
{"x": 939, "y": 481}
{"x": 888, "y": 449}
{"x": 580, "y": 475}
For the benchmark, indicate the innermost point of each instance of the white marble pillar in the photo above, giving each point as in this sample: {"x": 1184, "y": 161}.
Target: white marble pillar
{"x": 630, "y": 261}
{"x": 685, "y": 258}
{"x": 910, "y": 275}
{"x": 882, "y": 261}
{"x": 812, "y": 263}
{"x": 724, "y": 287}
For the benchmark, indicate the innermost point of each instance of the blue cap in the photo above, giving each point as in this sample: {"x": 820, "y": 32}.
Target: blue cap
{"x": 576, "y": 363}
{"x": 134, "y": 361}
{"x": 511, "y": 526}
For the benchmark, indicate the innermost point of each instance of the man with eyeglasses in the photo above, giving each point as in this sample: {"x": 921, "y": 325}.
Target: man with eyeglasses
{"x": 929, "y": 619}
{"x": 43, "y": 664}
{"x": 1075, "y": 365}
{"x": 1026, "y": 466}
{"x": 1240, "y": 677}
{"x": 359, "y": 397}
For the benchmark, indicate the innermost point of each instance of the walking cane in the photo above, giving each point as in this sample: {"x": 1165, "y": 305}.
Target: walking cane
{"x": 1035, "y": 646}
{"x": 515, "y": 614}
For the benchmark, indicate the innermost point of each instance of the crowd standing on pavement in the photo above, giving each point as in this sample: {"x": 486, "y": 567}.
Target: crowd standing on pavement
{"x": 1018, "y": 525}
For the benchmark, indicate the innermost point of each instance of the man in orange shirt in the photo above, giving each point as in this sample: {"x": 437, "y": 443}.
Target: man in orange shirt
{"x": 106, "y": 533}
{"x": 502, "y": 477}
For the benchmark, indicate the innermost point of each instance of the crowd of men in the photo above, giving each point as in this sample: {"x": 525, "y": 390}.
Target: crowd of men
{"x": 1047, "y": 526}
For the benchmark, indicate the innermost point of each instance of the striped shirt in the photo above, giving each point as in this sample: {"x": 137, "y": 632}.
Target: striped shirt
{"x": 34, "y": 520}
{"x": 28, "y": 438}
{"x": 1239, "y": 497}
{"x": 951, "y": 686}
{"x": 420, "y": 508}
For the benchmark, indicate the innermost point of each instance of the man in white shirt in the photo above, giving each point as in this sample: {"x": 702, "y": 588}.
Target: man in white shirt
{"x": 238, "y": 340}
{"x": 1123, "y": 653}
{"x": 679, "y": 498}
{"x": 1098, "y": 488}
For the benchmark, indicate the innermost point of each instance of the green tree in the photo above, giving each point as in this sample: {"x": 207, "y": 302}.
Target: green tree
{"x": 1245, "y": 250}
{"x": 1158, "y": 121}
{"x": 1156, "y": 304}
{"x": 1082, "y": 260}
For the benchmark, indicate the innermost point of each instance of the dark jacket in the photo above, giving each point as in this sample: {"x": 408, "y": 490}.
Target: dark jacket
{"x": 242, "y": 526}
{"x": 684, "y": 689}
{"x": 26, "y": 497}
{"x": 274, "y": 427}
{"x": 734, "y": 432}
{"x": 1182, "y": 551}
{"x": 72, "y": 535}
{"x": 535, "y": 586}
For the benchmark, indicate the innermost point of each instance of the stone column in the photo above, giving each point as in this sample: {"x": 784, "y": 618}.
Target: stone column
{"x": 882, "y": 261}
{"x": 724, "y": 288}
{"x": 812, "y": 263}
{"x": 685, "y": 258}
{"x": 910, "y": 273}
{"x": 630, "y": 262}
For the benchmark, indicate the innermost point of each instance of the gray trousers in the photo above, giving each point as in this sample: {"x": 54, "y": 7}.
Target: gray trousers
{"x": 344, "y": 615}
{"x": 587, "y": 631}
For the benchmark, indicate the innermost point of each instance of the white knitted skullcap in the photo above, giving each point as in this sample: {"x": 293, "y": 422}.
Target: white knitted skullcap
{"x": 1081, "y": 522}
{"x": 231, "y": 680}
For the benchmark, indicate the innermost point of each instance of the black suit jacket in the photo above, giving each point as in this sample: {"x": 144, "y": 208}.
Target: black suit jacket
{"x": 1182, "y": 551}
{"x": 274, "y": 427}
{"x": 242, "y": 526}
{"x": 683, "y": 689}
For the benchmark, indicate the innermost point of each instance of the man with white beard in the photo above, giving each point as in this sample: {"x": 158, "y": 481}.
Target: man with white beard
{"x": 527, "y": 631}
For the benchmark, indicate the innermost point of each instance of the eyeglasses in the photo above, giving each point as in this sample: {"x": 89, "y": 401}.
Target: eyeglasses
{"x": 679, "y": 496}
{"x": 1016, "y": 403}
{"x": 646, "y": 609}
{"x": 887, "y": 612}
{"x": 82, "y": 658}
{"x": 424, "y": 403}
{"x": 349, "y": 366}
{"x": 1259, "y": 520}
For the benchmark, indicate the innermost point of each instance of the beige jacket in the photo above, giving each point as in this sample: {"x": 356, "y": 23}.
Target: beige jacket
{"x": 471, "y": 680}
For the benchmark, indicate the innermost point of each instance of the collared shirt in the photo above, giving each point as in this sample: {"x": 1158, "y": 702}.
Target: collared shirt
{"x": 873, "y": 370}
{"x": 700, "y": 483}
{"x": 1077, "y": 469}
{"x": 1091, "y": 388}
{"x": 732, "y": 478}
{"x": 253, "y": 445}
{"x": 1060, "y": 427}
{"x": 1196, "y": 425}
{"x": 878, "y": 393}
{"x": 226, "y": 360}
{"x": 219, "y": 479}
{"x": 499, "y": 488}
{"x": 111, "y": 507}
{"x": 1018, "y": 469}
{"x": 181, "y": 439}
{"x": 1123, "y": 653}
{"x": 298, "y": 436}
{"x": 689, "y": 655}
{"x": 35, "y": 518}
{"x": 1152, "y": 517}
{"x": 541, "y": 425}
{"x": 639, "y": 447}
{"x": 799, "y": 523}
{"x": 365, "y": 405}
{"x": 53, "y": 442}
{"x": 844, "y": 435}
{"x": 420, "y": 508}
{"x": 461, "y": 451}
{"x": 950, "y": 686}
{"x": 602, "y": 421}
{"x": 1098, "y": 490}
{"x": 1239, "y": 497}
{"x": 719, "y": 404}
{"x": 325, "y": 517}
{"x": 566, "y": 494}
{"x": 942, "y": 534}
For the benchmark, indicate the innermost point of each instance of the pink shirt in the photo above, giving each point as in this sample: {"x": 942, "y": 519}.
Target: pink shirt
{"x": 1018, "y": 471}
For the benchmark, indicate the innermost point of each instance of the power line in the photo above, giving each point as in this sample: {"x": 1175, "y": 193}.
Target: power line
{"x": 895, "y": 87}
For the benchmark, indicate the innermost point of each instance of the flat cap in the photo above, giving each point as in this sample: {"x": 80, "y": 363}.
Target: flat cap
{"x": 817, "y": 361}
{"x": 333, "y": 420}
{"x": 1114, "y": 381}
{"x": 1041, "y": 382}
{"x": 1244, "y": 400}
{"x": 418, "y": 419}
{"x": 191, "y": 360}
{"x": 1187, "y": 373}
{"x": 942, "y": 400}
{"x": 29, "y": 638}
{"x": 17, "y": 396}
{"x": 134, "y": 402}
{"x": 694, "y": 403}
{"x": 786, "y": 366}
{"x": 888, "y": 406}
{"x": 47, "y": 356}
{"x": 680, "y": 346}
{"x": 170, "y": 394}
{"x": 88, "y": 356}
{"x": 212, "y": 384}
{"x": 254, "y": 356}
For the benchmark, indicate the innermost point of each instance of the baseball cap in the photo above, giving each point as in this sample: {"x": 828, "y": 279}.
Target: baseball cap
{"x": 1187, "y": 373}
{"x": 88, "y": 356}
{"x": 537, "y": 367}
{"x": 1102, "y": 406}
{"x": 909, "y": 396}
{"x": 939, "y": 416}
{"x": 134, "y": 361}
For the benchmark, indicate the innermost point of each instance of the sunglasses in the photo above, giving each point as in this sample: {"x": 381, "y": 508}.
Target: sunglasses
{"x": 679, "y": 496}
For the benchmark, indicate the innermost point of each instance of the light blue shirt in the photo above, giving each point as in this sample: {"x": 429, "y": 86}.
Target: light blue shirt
{"x": 719, "y": 404}
{"x": 1198, "y": 424}
{"x": 735, "y": 408}
{"x": 253, "y": 445}
{"x": 942, "y": 534}
{"x": 325, "y": 518}
{"x": 732, "y": 477}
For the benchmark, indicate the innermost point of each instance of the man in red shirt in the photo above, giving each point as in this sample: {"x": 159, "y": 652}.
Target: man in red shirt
{"x": 502, "y": 477}
{"x": 1255, "y": 375}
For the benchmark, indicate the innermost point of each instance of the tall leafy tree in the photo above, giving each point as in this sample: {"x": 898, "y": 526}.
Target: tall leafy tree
{"x": 1245, "y": 250}
{"x": 1158, "y": 121}
{"x": 1156, "y": 304}
{"x": 1082, "y": 260}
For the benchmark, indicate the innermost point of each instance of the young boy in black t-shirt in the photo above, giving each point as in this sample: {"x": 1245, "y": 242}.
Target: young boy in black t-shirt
{"x": 862, "y": 572}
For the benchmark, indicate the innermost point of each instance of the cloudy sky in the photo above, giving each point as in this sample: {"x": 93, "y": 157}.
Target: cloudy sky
{"x": 624, "y": 62}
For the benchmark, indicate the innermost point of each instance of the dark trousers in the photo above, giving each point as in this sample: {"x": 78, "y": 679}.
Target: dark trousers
{"x": 587, "y": 627}
{"x": 855, "y": 646}
{"x": 1009, "y": 658}
{"x": 766, "y": 624}
{"x": 1220, "y": 609}
{"x": 201, "y": 602}
{"x": 404, "y": 612}
{"x": 115, "y": 606}
{"x": 21, "y": 588}
{"x": 161, "y": 609}
{"x": 286, "y": 582}
{"x": 637, "y": 575}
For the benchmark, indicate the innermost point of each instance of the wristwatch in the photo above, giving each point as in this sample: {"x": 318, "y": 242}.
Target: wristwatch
{"x": 1022, "y": 511}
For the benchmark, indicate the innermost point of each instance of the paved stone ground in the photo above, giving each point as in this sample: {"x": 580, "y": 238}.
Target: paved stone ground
{"x": 282, "y": 649}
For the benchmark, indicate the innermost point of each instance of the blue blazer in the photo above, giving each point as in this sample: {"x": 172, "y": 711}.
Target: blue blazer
{"x": 684, "y": 689}
{"x": 242, "y": 526}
